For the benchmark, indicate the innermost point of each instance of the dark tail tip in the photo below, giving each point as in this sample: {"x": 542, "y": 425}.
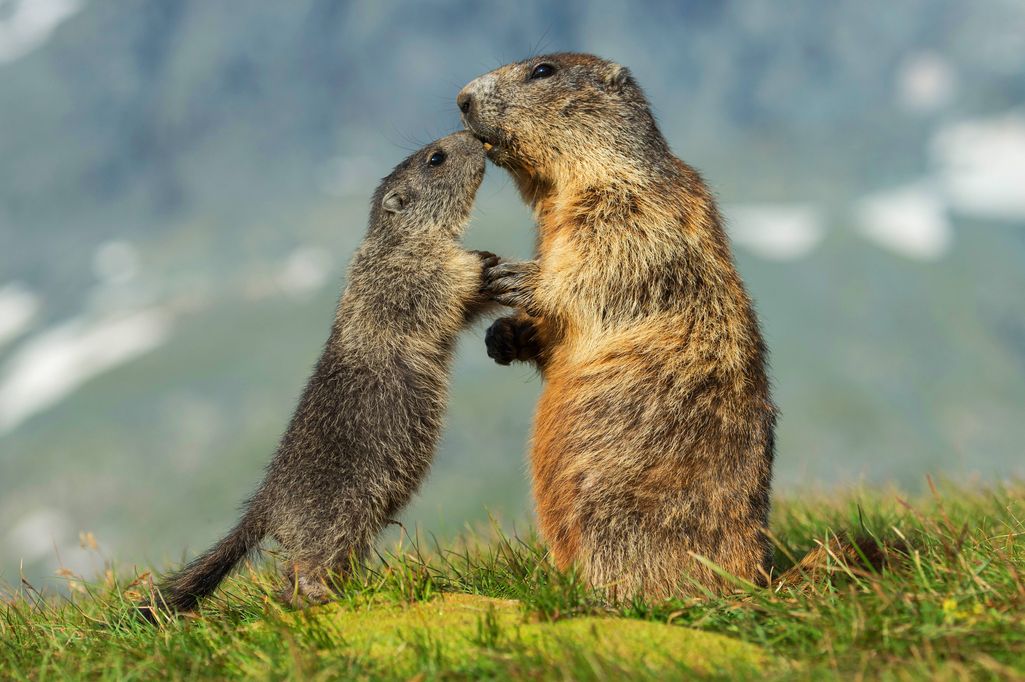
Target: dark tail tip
{"x": 182, "y": 591}
{"x": 147, "y": 611}
{"x": 164, "y": 602}
{"x": 860, "y": 554}
{"x": 866, "y": 552}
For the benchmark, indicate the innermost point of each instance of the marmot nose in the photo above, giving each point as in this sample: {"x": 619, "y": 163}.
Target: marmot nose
{"x": 464, "y": 101}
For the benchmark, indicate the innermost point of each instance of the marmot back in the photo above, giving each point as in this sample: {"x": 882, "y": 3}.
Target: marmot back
{"x": 366, "y": 427}
{"x": 653, "y": 440}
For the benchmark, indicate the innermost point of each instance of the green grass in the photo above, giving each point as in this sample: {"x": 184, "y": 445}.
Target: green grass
{"x": 950, "y": 605}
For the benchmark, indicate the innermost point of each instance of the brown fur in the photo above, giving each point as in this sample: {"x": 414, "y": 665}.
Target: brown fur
{"x": 653, "y": 440}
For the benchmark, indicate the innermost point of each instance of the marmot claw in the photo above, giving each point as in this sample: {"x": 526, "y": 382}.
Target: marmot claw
{"x": 512, "y": 284}
{"x": 487, "y": 259}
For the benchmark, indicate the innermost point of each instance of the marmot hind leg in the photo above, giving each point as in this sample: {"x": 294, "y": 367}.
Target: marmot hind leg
{"x": 305, "y": 585}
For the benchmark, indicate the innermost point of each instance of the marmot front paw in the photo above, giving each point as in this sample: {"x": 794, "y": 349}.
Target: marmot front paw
{"x": 512, "y": 284}
{"x": 512, "y": 338}
{"x": 488, "y": 260}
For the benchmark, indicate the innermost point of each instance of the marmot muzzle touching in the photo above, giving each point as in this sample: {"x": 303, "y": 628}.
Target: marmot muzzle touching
{"x": 653, "y": 439}
{"x": 366, "y": 427}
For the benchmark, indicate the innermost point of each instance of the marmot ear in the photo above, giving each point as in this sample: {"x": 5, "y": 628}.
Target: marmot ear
{"x": 615, "y": 77}
{"x": 394, "y": 202}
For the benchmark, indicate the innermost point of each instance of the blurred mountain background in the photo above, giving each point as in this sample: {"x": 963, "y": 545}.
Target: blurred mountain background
{"x": 182, "y": 184}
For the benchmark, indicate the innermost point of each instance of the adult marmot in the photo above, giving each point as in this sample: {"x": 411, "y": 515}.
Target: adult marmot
{"x": 653, "y": 440}
{"x": 365, "y": 430}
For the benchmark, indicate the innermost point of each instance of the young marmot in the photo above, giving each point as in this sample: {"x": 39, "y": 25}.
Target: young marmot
{"x": 366, "y": 427}
{"x": 653, "y": 440}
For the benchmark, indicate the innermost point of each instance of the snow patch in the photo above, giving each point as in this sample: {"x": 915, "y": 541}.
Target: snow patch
{"x": 52, "y": 365}
{"x": 37, "y": 534}
{"x": 18, "y": 306}
{"x": 116, "y": 262}
{"x": 305, "y": 270}
{"x": 778, "y": 232}
{"x": 911, "y": 221}
{"x": 925, "y": 82}
{"x": 980, "y": 165}
{"x": 30, "y": 23}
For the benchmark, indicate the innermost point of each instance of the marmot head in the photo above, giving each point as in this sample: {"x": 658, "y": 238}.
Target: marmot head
{"x": 432, "y": 190}
{"x": 561, "y": 118}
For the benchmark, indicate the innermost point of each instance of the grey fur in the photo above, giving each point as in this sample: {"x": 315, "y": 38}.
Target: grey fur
{"x": 364, "y": 433}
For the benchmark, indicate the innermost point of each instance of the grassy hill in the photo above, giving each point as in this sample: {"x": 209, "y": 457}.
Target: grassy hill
{"x": 950, "y": 605}
{"x": 199, "y": 173}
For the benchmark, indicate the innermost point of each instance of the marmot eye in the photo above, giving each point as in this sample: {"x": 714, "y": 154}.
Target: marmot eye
{"x": 542, "y": 71}
{"x": 437, "y": 158}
